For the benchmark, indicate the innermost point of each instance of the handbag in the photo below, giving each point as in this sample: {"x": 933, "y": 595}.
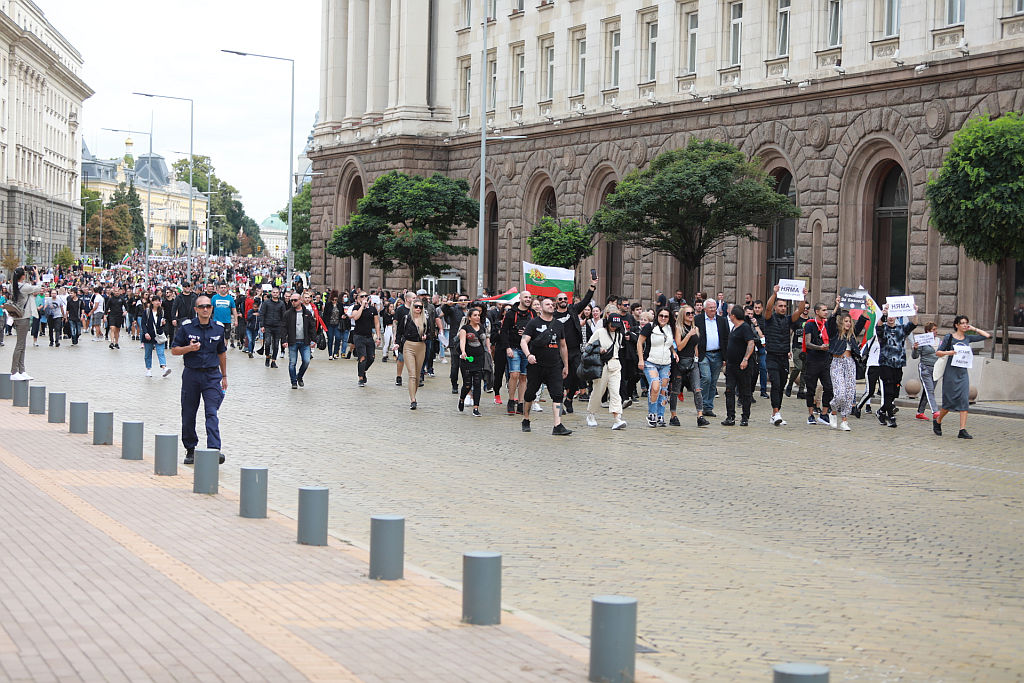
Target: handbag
{"x": 160, "y": 338}
{"x": 321, "y": 340}
{"x": 940, "y": 365}
{"x": 15, "y": 310}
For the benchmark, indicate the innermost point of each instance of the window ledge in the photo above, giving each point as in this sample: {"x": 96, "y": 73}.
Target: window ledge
{"x": 546, "y": 5}
{"x": 463, "y": 30}
{"x": 1013, "y": 26}
{"x": 947, "y": 37}
{"x": 516, "y": 13}
{"x": 885, "y": 48}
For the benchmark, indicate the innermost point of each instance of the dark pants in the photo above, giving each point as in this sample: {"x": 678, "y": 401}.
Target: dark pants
{"x": 778, "y": 372}
{"x": 738, "y": 380}
{"x": 365, "y": 352}
{"x": 271, "y": 342}
{"x": 500, "y": 363}
{"x": 892, "y": 379}
{"x": 572, "y": 381}
{"x": 196, "y": 384}
{"x": 472, "y": 378}
{"x": 548, "y": 375}
{"x": 428, "y": 365}
{"x": 871, "y": 385}
{"x": 56, "y": 328}
{"x": 816, "y": 370}
{"x": 454, "y": 352}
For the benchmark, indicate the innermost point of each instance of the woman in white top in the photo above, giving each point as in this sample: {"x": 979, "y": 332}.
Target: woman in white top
{"x": 23, "y": 291}
{"x": 656, "y": 349}
{"x": 610, "y": 336}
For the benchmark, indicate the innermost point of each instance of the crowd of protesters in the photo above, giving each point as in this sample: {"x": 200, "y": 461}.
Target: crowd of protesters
{"x": 606, "y": 356}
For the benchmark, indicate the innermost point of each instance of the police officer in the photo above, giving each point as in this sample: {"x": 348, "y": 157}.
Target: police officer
{"x": 201, "y": 342}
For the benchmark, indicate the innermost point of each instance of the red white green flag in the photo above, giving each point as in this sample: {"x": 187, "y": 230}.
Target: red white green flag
{"x": 548, "y": 280}
{"x": 509, "y": 297}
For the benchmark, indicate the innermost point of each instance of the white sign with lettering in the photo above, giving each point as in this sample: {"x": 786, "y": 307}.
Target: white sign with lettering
{"x": 963, "y": 356}
{"x": 926, "y": 339}
{"x": 791, "y": 290}
{"x": 900, "y": 306}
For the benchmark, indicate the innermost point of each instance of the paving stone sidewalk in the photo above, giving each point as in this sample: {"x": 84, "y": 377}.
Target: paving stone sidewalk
{"x": 109, "y": 572}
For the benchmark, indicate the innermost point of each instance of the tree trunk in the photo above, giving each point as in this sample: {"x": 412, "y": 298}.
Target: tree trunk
{"x": 691, "y": 281}
{"x": 999, "y": 308}
{"x": 1007, "y": 307}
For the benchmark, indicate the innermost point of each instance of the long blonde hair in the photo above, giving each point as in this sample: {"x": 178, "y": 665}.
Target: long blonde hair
{"x": 840, "y": 322}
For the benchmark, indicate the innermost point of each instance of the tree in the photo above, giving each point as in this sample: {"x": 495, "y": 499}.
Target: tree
{"x": 407, "y": 220}
{"x": 561, "y": 243}
{"x": 244, "y": 245}
{"x": 116, "y": 233}
{"x": 64, "y": 258}
{"x": 977, "y": 200}
{"x": 688, "y": 201}
{"x": 301, "y": 237}
{"x": 224, "y": 231}
{"x": 91, "y": 207}
{"x": 9, "y": 261}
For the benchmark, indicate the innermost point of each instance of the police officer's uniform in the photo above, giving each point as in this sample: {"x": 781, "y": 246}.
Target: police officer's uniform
{"x": 201, "y": 377}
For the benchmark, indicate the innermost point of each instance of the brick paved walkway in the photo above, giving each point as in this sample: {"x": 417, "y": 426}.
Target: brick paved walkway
{"x": 108, "y": 572}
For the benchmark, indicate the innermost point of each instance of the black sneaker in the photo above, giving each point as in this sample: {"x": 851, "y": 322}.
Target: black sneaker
{"x": 362, "y": 382}
{"x": 519, "y": 408}
{"x": 744, "y": 423}
{"x": 567, "y": 406}
{"x": 702, "y": 421}
{"x": 753, "y": 400}
{"x": 892, "y": 422}
{"x": 811, "y": 421}
{"x": 412, "y": 405}
{"x": 560, "y": 430}
{"x": 855, "y": 411}
{"x": 709, "y": 413}
{"x": 294, "y": 385}
{"x": 273, "y": 364}
{"x": 301, "y": 383}
{"x": 476, "y": 412}
{"x": 881, "y": 417}
{"x": 936, "y": 427}
{"x": 266, "y": 362}
{"x": 964, "y": 435}
{"x": 764, "y": 394}
{"x": 789, "y": 391}
{"x": 729, "y": 422}
{"x": 510, "y": 407}
{"x": 222, "y": 458}
{"x": 190, "y": 456}
{"x": 526, "y": 425}
{"x": 801, "y": 394}
{"x": 867, "y": 409}
{"x": 674, "y": 421}
{"x": 398, "y": 381}
{"x": 455, "y": 389}
{"x": 462, "y": 404}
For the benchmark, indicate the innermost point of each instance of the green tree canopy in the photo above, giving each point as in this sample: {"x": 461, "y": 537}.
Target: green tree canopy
{"x": 977, "y": 198}
{"x": 301, "y": 204}
{"x": 64, "y": 258}
{"x": 688, "y": 201}
{"x": 223, "y": 231}
{"x": 560, "y": 243}
{"x": 90, "y": 207}
{"x": 407, "y": 220}
{"x": 115, "y": 231}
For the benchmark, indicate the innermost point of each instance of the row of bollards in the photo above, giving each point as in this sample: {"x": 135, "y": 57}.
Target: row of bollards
{"x": 613, "y": 618}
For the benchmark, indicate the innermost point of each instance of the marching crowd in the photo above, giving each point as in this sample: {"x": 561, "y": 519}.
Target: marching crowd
{"x": 581, "y": 354}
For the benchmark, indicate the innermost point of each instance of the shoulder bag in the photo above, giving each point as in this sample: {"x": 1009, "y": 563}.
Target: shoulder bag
{"x": 940, "y": 363}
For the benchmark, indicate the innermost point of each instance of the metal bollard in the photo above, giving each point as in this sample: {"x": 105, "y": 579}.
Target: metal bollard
{"x": 37, "y": 400}
{"x": 79, "y": 423}
{"x": 206, "y": 473}
{"x": 131, "y": 440}
{"x": 313, "y": 515}
{"x": 612, "y": 639}
{"x": 19, "y": 391}
{"x": 252, "y": 499}
{"x": 103, "y": 429}
{"x": 5, "y": 385}
{"x": 387, "y": 547}
{"x": 166, "y": 459}
{"x": 799, "y": 672}
{"x": 481, "y": 588}
{"x": 57, "y": 407}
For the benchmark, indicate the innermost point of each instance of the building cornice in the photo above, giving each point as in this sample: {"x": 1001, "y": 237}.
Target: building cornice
{"x": 33, "y": 47}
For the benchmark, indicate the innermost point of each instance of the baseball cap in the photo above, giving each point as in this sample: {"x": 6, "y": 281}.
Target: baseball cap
{"x": 615, "y": 320}
{"x": 420, "y": 292}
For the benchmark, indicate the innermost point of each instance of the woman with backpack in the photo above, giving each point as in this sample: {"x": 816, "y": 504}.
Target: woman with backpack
{"x": 23, "y": 310}
{"x": 608, "y": 339}
{"x": 474, "y": 347}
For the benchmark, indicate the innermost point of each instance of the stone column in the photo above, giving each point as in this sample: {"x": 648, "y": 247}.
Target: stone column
{"x": 356, "y": 62}
{"x": 377, "y": 71}
{"x": 395, "y": 54}
{"x": 410, "y": 100}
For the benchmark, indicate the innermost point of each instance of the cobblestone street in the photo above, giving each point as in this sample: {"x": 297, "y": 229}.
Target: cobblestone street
{"x": 886, "y": 554}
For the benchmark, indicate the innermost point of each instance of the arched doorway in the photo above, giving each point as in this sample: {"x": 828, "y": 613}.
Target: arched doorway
{"x": 355, "y": 193}
{"x": 781, "y": 243}
{"x": 613, "y": 266}
{"x": 890, "y": 234}
{"x": 491, "y": 225}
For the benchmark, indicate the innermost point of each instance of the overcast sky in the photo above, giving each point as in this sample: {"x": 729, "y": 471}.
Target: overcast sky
{"x": 173, "y": 48}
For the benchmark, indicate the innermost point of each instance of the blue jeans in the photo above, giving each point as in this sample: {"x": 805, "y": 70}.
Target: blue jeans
{"x": 159, "y": 354}
{"x": 655, "y": 372}
{"x": 763, "y": 370}
{"x": 294, "y": 351}
{"x": 334, "y": 340}
{"x": 250, "y": 337}
{"x": 76, "y": 330}
{"x": 710, "y": 369}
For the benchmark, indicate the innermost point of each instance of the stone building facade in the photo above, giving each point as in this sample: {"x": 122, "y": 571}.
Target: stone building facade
{"x": 847, "y": 104}
{"x": 41, "y": 95}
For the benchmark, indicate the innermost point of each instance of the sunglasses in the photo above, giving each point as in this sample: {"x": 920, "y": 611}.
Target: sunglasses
{"x": 204, "y": 306}
{"x": 420, "y": 308}
{"x": 688, "y": 313}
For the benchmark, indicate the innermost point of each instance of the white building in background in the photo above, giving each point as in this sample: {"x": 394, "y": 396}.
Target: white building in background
{"x": 41, "y": 95}
{"x": 274, "y": 232}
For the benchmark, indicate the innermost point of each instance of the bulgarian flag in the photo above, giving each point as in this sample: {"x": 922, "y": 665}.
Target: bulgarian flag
{"x": 548, "y": 280}
{"x": 125, "y": 260}
{"x": 509, "y": 297}
{"x": 873, "y": 313}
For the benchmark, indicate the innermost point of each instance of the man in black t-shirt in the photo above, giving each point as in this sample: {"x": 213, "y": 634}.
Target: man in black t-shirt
{"x": 365, "y": 320}
{"x": 547, "y": 358}
{"x": 738, "y": 367}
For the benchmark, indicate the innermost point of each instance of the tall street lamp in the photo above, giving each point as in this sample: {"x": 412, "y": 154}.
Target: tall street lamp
{"x": 291, "y": 153}
{"x": 149, "y": 184}
{"x": 191, "y": 163}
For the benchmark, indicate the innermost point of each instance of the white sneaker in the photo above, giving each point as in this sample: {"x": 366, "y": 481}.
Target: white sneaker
{"x": 591, "y": 420}
{"x": 775, "y": 419}
{"x": 845, "y": 426}
{"x": 17, "y": 377}
{"x": 444, "y": 361}
{"x": 149, "y": 373}
{"x": 537, "y": 408}
{"x": 833, "y": 421}
{"x": 619, "y": 423}
{"x": 167, "y": 371}
{"x": 781, "y": 422}
{"x": 26, "y": 376}
{"x": 821, "y": 420}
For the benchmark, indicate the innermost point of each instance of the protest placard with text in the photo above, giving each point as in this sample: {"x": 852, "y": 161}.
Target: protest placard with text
{"x": 900, "y": 306}
{"x": 926, "y": 339}
{"x": 791, "y": 290}
{"x": 963, "y": 356}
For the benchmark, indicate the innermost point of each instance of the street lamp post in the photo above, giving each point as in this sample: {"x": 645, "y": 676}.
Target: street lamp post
{"x": 191, "y": 163}
{"x": 291, "y": 154}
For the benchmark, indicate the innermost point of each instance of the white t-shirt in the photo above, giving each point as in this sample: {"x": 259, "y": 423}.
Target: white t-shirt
{"x": 97, "y": 301}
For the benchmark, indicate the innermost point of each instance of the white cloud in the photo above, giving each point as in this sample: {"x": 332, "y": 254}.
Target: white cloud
{"x": 242, "y": 104}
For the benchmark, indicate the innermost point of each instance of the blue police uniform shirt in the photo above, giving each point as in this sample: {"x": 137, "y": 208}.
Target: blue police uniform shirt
{"x": 211, "y": 343}
{"x": 222, "y": 308}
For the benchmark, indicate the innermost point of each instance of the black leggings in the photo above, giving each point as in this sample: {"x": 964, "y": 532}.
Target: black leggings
{"x": 472, "y": 378}
{"x": 500, "y": 363}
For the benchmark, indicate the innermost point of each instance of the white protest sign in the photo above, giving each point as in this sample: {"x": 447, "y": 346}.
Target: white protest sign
{"x": 267, "y": 287}
{"x": 926, "y": 339}
{"x": 47, "y": 278}
{"x": 791, "y": 290}
{"x": 375, "y": 301}
{"x": 963, "y": 356}
{"x": 900, "y": 306}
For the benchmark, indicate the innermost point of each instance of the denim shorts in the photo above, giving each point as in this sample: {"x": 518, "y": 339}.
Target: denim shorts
{"x": 518, "y": 362}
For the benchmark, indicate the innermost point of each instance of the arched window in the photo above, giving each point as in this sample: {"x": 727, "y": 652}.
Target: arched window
{"x": 891, "y": 235}
{"x": 491, "y": 220}
{"x": 547, "y": 206}
{"x": 355, "y": 193}
{"x": 782, "y": 235}
{"x": 613, "y": 256}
